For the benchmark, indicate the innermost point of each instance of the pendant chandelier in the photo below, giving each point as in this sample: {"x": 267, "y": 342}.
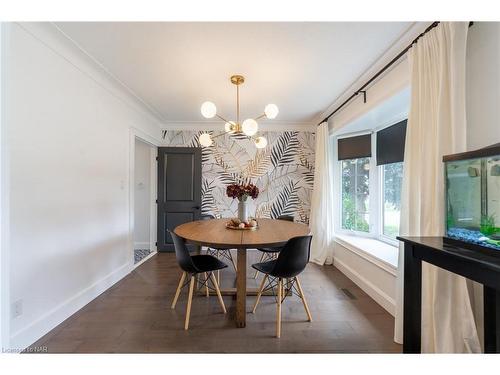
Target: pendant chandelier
{"x": 248, "y": 128}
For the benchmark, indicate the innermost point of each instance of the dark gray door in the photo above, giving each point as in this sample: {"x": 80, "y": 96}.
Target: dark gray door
{"x": 179, "y": 190}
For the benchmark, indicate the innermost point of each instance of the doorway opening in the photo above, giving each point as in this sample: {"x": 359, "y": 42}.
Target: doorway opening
{"x": 144, "y": 201}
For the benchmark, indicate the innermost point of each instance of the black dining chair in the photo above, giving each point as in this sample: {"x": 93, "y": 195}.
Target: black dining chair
{"x": 270, "y": 253}
{"x": 219, "y": 253}
{"x": 192, "y": 266}
{"x": 282, "y": 273}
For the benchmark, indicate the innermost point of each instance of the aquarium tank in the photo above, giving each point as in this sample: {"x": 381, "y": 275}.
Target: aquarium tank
{"x": 473, "y": 198}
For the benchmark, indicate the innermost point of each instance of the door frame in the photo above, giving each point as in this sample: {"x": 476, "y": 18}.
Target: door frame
{"x": 137, "y": 134}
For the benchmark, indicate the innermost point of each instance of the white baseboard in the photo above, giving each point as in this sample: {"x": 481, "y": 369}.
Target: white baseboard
{"x": 34, "y": 331}
{"x": 141, "y": 245}
{"x": 368, "y": 287}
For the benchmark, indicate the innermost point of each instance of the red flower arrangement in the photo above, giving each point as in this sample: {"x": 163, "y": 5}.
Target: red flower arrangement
{"x": 242, "y": 192}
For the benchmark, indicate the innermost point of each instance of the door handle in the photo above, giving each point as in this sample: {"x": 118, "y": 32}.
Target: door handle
{"x": 196, "y": 207}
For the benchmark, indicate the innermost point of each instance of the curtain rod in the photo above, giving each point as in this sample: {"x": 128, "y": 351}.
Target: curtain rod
{"x": 387, "y": 66}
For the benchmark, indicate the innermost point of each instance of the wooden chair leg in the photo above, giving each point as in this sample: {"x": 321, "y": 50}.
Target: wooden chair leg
{"x": 278, "y": 309}
{"x": 197, "y": 281}
{"x": 219, "y": 295}
{"x": 190, "y": 300}
{"x": 178, "y": 291}
{"x": 288, "y": 288}
{"x": 232, "y": 261}
{"x": 218, "y": 254}
{"x": 260, "y": 261}
{"x": 303, "y": 298}
{"x": 207, "y": 292}
{"x": 259, "y": 293}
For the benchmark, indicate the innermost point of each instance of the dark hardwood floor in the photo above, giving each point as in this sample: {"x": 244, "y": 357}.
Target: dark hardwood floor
{"x": 134, "y": 316}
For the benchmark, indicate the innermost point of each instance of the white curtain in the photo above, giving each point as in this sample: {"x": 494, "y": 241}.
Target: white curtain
{"x": 436, "y": 127}
{"x": 321, "y": 221}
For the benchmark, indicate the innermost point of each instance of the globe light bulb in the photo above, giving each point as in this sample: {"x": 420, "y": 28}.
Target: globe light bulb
{"x": 271, "y": 111}
{"x": 205, "y": 140}
{"x": 250, "y": 127}
{"x": 208, "y": 109}
{"x": 230, "y": 126}
{"x": 260, "y": 142}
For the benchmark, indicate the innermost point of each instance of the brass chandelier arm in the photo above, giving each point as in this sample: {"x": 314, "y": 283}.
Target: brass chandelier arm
{"x": 209, "y": 110}
{"x": 225, "y": 132}
{"x": 238, "y": 121}
{"x": 252, "y": 137}
{"x": 219, "y": 135}
{"x": 222, "y": 118}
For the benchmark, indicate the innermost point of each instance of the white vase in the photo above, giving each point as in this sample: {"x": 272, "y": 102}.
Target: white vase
{"x": 243, "y": 210}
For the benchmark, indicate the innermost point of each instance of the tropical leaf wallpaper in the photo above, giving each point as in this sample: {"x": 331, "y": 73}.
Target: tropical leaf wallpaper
{"x": 283, "y": 172}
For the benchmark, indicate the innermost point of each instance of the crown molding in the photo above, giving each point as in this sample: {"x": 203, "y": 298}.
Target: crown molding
{"x": 415, "y": 29}
{"x": 277, "y": 126}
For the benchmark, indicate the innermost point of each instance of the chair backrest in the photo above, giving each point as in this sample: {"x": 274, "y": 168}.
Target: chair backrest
{"x": 285, "y": 217}
{"x": 207, "y": 217}
{"x": 293, "y": 258}
{"x": 182, "y": 254}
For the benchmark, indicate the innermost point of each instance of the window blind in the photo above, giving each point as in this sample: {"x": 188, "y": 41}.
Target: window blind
{"x": 354, "y": 147}
{"x": 391, "y": 143}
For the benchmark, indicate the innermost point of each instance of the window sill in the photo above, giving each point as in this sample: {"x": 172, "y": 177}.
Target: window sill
{"x": 378, "y": 252}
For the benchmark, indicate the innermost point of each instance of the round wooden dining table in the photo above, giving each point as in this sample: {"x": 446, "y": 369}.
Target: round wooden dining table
{"x": 213, "y": 233}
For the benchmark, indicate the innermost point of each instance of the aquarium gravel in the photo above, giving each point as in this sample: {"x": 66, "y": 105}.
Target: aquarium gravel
{"x": 472, "y": 236}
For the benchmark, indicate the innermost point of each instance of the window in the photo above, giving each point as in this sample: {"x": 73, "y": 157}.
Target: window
{"x": 356, "y": 194}
{"x": 370, "y": 186}
{"x": 392, "y": 179}
{"x": 390, "y": 143}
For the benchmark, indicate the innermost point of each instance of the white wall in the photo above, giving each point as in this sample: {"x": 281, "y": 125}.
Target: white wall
{"x": 4, "y": 281}
{"x": 483, "y": 85}
{"x": 142, "y": 191}
{"x": 483, "y": 109}
{"x": 68, "y": 130}
{"x": 376, "y": 279}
